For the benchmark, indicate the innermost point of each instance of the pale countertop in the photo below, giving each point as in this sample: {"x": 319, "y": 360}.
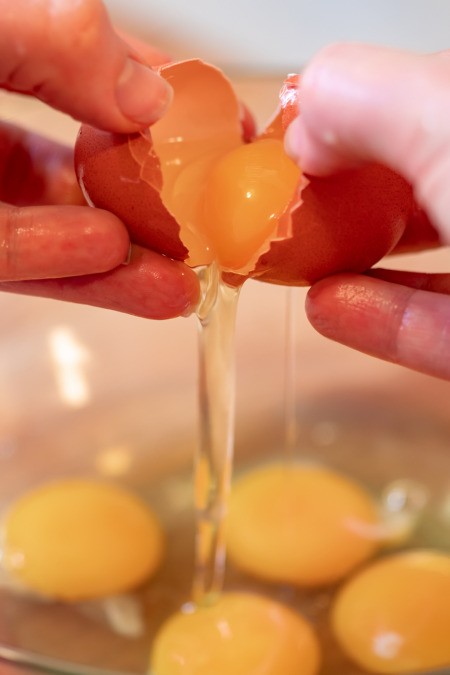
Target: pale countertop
{"x": 120, "y": 357}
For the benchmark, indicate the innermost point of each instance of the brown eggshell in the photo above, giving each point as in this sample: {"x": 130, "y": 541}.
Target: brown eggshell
{"x": 346, "y": 222}
{"x": 110, "y": 178}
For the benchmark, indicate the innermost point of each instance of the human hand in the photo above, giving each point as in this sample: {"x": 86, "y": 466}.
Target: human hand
{"x": 68, "y": 55}
{"x": 361, "y": 103}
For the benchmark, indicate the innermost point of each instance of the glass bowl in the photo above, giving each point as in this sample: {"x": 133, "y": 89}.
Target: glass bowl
{"x": 90, "y": 393}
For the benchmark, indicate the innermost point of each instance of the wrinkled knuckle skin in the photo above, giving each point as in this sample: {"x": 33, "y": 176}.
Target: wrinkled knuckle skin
{"x": 79, "y": 23}
{"x": 75, "y": 16}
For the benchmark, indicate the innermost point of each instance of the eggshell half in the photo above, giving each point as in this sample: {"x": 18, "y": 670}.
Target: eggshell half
{"x": 110, "y": 179}
{"x": 345, "y": 223}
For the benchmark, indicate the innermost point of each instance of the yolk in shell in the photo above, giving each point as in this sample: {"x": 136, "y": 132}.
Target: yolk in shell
{"x": 80, "y": 539}
{"x": 246, "y": 193}
{"x": 241, "y": 634}
{"x": 394, "y": 616}
{"x": 300, "y": 524}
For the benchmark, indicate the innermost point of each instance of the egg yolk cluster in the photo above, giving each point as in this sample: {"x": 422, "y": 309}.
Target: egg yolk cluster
{"x": 394, "y": 616}
{"x": 289, "y": 523}
{"x": 241, "y": 634}
{"x": 80, "y": 539}
{"x": 300, "y": 524}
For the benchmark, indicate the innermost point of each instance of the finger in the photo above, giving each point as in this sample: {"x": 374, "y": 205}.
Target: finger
{"x": 35, "y": 170}
{"x": 68, "y": 55}
{"x": 395, "y": 323}
{"x": 150, "y": 286}
{"x": 56, "y": 241}
{"x": 434, "y": 283}
{"x": 361, "y": 103}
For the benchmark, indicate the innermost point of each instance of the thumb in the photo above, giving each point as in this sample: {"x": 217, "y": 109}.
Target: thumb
{"x": 68, "y": 55}
{"x": 364, "y": 103}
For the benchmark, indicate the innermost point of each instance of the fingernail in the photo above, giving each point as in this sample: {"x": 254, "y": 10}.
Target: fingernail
{"x": 142, "y": 95}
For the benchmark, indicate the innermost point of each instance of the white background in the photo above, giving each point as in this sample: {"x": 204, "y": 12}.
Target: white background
{"x": 277, "y": 36}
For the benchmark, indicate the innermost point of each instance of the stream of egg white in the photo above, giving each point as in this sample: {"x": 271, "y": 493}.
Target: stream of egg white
{"x": 290, "y": 420}
{"x": 213, "y": 461}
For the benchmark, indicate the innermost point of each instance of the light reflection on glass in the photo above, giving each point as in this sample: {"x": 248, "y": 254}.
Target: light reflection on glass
{"x": 445, "y": 508}
{"x": 7, "y": 448}
{"x": 69, "y": 358}
{"x": 114, "y": 461}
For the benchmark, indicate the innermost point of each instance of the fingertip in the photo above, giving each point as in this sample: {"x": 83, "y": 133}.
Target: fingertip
{"x": 318, "y": 300}
{"x": 142, "y": 95}
{"x": 158, "y": 287}
{"x": 313, "y": 155}
{"x": 180, "y": 287}
{"x": 111, "y": 237}
{"x": 340, "y": 300}
{"x": 313, "y": 140}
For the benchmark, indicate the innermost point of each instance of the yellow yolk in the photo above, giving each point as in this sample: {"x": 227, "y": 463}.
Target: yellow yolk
{"x": 241, "y": 634}
{"x": 246, "y": 192}
{"x": 300, "y": 524}
{"x": 394, "y": 617}
{"x": 80, "y": 539}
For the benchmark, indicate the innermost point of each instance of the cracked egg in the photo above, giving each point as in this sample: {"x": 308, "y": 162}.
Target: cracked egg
{"x": 200, "y": 187}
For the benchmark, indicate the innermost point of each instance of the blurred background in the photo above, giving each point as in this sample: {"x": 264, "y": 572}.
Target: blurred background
{"x": 277, "y": 37}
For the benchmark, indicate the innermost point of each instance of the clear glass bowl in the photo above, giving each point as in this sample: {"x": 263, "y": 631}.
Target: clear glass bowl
{"x": 90, "y": 393}
{"x": 85, "y": 392}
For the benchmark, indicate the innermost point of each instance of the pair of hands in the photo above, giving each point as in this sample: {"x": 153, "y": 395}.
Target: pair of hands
{"x": 387, "y": 106}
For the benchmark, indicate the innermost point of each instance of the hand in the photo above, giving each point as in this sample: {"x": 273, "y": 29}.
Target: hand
{"x": 361, "y": 103}
{"x": 68, "y": 55}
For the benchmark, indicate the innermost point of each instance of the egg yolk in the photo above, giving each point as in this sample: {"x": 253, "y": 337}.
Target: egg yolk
{"x": 394, "y": 616}
{"x": 246, "y": 193}
{"x": 300, "y": 524}
{"x": 241, "y": 634}
{"x": 80, "y": 539}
